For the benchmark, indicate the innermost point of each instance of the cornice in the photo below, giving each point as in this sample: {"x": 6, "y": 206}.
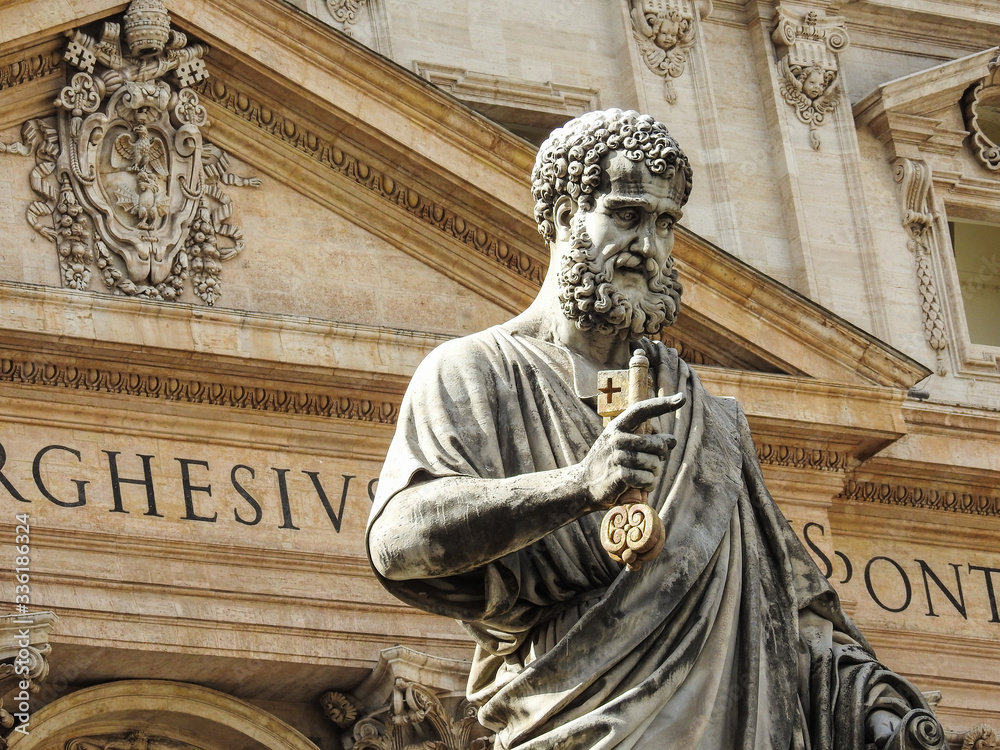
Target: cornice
{"x": 782, "y": 409}
{"x": 982, "y": 14}
{"x": 800, "y": 457}
{"x": 954, "y": 419}
{"x": 283, "y": 348}
{"x": 227, "y": 553}
{"x": 202, "y": 636}
{"x": 781, "y": 326}
{"x": 37, "y": 371}
{"x": 555, "y": 99}
{"x": 956, "y": 646}
{"x": 30, "y": 68}
{"x": 928, "y": 498}
{"x": 334, "y": 156}
{"x": 922, "y": 94}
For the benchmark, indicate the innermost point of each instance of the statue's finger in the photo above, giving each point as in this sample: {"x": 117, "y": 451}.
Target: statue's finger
{"x": 654, "y": 445}
{"x": 638, "y": 413}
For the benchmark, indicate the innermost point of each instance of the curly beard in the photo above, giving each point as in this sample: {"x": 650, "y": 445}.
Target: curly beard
{"x": 589, "y": 297}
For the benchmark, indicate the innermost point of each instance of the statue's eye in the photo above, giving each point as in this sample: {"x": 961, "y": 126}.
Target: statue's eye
{"x": 665, "y": 222}
{"x": 626, "y": 216}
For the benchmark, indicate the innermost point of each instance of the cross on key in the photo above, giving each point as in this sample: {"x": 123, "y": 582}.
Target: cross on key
{"x": 610, "y": 390}
{"x": 613, "y": 396}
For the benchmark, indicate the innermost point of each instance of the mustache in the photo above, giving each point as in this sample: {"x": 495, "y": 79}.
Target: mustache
{"x": 589, "y": 296}
{"x": 614, "y": 258}
{"x": 627, "y": 258}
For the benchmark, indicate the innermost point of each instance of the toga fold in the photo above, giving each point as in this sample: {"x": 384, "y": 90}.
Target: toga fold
{"x": 730, "y": 639}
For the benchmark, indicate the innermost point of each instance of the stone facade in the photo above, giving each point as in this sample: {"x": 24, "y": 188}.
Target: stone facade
{"x": 193, "y": 449}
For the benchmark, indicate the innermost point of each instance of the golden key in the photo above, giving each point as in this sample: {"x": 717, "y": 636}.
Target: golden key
{"x": 631, "y": 532}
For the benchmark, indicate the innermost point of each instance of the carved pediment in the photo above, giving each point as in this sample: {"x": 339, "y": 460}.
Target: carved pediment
{"x": 911, "y": 115}
{"x": 410, "y": 167}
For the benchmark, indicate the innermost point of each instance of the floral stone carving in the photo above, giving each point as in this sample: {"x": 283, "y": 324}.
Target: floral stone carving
{"x": 808, "y": 66}
{"x": 916, "y": 205}
{"x": 980, "y": 737}
{"x": 416, "y": 719}
{"x": 410, "y": 701}
{"x": 125, "y": 173}
{"x": 338, "y": 708}
{"x": 345, "y": 11}
{"x": 664, "y": 30}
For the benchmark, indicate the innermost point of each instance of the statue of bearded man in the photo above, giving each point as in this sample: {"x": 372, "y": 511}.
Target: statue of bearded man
{"x": 490, "y": 503}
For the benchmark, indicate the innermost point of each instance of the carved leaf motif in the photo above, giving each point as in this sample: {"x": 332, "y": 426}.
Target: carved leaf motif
{"x": 338, "y": 708}
{"x": 344, "y": 11}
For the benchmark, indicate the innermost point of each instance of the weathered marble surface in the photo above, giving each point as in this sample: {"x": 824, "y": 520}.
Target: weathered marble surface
{"x": 486, "y": 509}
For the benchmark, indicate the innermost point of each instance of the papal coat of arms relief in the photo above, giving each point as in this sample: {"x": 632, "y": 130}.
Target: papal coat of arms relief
{"x": 129, "y": 185}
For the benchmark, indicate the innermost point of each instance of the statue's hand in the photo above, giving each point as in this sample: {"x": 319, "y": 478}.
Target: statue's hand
{"x": 619, "y": 459}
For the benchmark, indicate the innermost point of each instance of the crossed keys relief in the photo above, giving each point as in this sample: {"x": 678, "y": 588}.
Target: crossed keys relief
{"x": 128, "y": 183}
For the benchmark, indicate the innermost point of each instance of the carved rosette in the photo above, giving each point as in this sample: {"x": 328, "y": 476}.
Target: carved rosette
{"x": 664, "y": 30}
{"x": 338, "y": 708}
{"x": 915, "y": 197}
{"x": 130, "y": 183}
{"x": 414, "y": 717}
{"x": 981, "y": 107}
{"x": 808, "y": 67}
{"x": 980, "y": 737}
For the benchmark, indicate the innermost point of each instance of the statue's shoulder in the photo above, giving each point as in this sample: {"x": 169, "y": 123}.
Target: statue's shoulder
{"x": 464, "y": 357}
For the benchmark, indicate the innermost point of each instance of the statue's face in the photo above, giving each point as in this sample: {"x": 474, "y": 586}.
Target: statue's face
{"x": 814, "y": 83}
{"x": 666, "y": 32}
{"x": 633, "y": 222}
{"x": 617, "y": 264}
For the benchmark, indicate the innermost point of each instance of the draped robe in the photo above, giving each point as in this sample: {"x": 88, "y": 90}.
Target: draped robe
{"x": 731, "y": 638}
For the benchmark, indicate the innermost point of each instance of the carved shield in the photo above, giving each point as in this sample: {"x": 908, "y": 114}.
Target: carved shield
{"x": 136, "y": 166}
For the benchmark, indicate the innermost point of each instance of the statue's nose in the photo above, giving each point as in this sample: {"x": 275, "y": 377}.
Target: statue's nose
{"x": 645, "y": 246}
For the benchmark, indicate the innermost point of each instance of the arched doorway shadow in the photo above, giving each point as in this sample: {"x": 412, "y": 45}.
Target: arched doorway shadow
{"x": 134, "y": 714}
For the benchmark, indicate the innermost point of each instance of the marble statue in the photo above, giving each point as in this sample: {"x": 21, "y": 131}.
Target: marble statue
{"x": 490, "y": 504}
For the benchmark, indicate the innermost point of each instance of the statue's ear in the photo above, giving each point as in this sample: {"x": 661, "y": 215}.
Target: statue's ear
{"x": 562, "y": 213}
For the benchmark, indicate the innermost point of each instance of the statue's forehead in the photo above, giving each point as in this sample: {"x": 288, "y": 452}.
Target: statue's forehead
{"x": 624, "y": 176}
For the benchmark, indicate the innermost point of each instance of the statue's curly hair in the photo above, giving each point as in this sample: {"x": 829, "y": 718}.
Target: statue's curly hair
{"x": 569, "y": 162}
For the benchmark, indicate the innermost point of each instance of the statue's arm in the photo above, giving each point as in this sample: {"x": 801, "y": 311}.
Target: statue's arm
{"x": 449, "y": 525}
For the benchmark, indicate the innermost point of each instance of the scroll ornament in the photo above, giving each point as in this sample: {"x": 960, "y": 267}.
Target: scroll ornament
{"x": 21, "y": 661}
{"x": 414, "y": 718}
{"x": 808, "y": 67}
{"x": 664, "y": 30}
{"x": 914, "y": 179}
{"x": 345, "y": 11}
{"x": 124, "y": 172}
{"x": 980, "y": 106}
{"x": 980, "y": 737}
